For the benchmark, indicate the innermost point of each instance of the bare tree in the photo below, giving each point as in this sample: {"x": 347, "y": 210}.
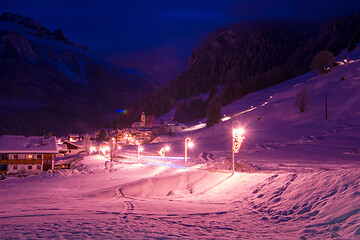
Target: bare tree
{"x": 87, "y": 143}
{"x": 322, "y": 61}
{"x": 302, "y": 99}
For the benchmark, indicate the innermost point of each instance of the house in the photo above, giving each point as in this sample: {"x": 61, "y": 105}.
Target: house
{"x": 62, "y": 149}
{"x": 33, "y": 154}
{"x": 173, "y": 127}
{"x": 73, "y": 137}
{"x": 72, "y": 148}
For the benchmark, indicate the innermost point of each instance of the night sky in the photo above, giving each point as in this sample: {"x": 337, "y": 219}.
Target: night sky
{"x": 159, "y": 36}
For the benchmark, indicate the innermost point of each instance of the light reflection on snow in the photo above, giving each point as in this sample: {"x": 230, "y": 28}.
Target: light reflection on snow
{"x": 159, "y": 157}
{"x": 195, "y": 127}
{"x": 264, "y": 104}
{"x": 225, "y": 119}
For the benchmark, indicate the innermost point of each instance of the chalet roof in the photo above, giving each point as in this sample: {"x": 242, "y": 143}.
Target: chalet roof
{"x": 62, "y": 147}
{"x": 67, "y": 143}
{"x": 32, "y": 144}
{"x": 73, "y": 135}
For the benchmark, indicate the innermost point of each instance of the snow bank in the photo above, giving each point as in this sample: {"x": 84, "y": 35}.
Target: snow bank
{"x": 320, "y": 204}
{"x": 181, "y": 184}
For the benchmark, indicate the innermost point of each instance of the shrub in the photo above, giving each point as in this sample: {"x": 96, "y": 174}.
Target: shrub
{"x": 322, "y": 61}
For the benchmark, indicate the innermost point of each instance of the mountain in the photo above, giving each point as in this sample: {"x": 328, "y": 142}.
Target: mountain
{"x": 49, "y": 83}
{"x": 248, "y": 56}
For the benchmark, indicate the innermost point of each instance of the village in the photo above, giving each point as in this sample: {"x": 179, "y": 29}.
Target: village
{"x": 25, "y": 155}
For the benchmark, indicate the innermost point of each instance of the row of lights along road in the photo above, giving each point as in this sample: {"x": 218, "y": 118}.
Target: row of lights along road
{"x": 237, "y": 139}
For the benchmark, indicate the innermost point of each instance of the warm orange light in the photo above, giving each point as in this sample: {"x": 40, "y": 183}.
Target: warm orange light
{"x": 237, "y": 139}
{"x": 92, "y": 149}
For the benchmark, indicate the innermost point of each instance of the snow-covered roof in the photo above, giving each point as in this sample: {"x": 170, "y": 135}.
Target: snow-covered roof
{"x": 72, "y": 144}
{"x": 73, "y": 135}
{"x": 62, "y": 147}
{"x": 137, "y": 124}
{"x": 32, "y": 144}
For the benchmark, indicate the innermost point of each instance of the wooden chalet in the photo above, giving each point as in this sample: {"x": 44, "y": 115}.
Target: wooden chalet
{"x": 73, "y": 137}
{"x": 72, "y": 148}
{"x": 33, "y": 154}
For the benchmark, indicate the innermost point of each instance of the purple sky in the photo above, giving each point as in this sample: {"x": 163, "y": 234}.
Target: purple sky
{"x": 159, "y": 36}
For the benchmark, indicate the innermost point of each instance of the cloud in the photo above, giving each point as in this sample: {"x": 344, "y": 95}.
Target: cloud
{"x": 163, "y": 63}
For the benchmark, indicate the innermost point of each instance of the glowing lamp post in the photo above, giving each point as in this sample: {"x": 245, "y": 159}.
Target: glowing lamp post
{"x": 237, "y": 139}
{"x": 163, "y": 151}
{"x": 139, "y": 150}
{"x": 189, "y": 144}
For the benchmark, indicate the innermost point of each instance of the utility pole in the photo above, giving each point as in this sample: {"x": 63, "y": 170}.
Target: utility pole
{"x": 326, "y": 110}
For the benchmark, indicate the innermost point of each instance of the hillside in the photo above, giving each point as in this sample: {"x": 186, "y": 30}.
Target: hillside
{"x": 249, "y": 56}
{"x": 49, "y": 83}
{"x": 274, "y": 125}
{"x": 304, "y": 183}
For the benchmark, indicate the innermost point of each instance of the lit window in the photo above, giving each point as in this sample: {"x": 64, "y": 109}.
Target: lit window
{"x": 30, "y": 156}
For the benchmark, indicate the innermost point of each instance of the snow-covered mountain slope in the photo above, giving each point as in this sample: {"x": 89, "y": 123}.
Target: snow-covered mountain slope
{"x": 39, "y": 44}
{"x": 66, "y": 79}
{"x": 306, "y": 185}
{"x": 276, "y": 127}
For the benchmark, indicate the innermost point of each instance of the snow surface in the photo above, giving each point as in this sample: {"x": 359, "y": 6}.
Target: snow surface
{"x": 300, "y": 176}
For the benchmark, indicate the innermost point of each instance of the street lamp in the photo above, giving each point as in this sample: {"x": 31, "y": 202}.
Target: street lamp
{"x": 237, "y": 139}
{"x": 163, "y": 151}
{"x": 139, "y": 150}
{"x": 189, "y": 144}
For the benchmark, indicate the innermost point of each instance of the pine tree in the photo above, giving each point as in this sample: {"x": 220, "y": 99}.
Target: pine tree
{"x": 101, "y": 136}
{"x": 351, "y": 45}
{"x": 214, "y": 112}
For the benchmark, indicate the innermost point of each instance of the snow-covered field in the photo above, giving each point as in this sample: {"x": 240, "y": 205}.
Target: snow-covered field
{"x": 301, "y": 181}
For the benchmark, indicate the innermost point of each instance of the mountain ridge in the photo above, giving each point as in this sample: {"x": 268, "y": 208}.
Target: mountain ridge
{"x": 66, "y": 78}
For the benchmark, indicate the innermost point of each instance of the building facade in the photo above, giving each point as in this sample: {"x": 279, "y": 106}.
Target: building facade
{"x": 19, "y": 154}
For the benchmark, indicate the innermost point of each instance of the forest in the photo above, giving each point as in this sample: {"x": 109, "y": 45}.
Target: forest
{"x": 243, "y": 58}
